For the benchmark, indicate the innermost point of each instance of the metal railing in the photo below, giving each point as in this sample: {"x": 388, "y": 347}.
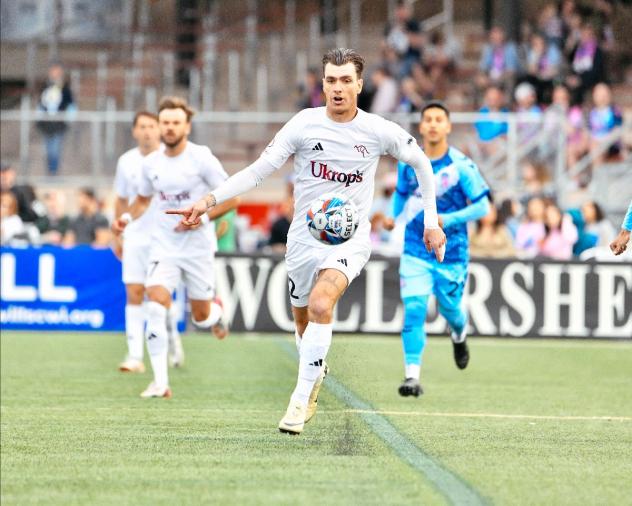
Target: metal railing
{"x": 96, "y": 138}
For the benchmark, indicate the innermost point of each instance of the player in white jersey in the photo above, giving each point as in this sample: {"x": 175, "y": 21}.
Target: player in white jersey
{"x": 337, "y": 149}
{"x": 180, "y": 174}
{"x": 134, "y": 251}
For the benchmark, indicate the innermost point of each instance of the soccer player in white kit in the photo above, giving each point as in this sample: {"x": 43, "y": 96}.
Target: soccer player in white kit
{"x": 336, "y": 149}
{"x": 133, "y": 246}
{"x": 180, "y": 174}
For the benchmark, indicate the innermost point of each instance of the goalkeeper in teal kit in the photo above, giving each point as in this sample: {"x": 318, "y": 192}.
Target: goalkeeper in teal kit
{"x": 462, "y": 196}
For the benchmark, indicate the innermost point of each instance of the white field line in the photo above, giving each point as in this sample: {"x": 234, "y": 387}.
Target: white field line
{"x": 586, "y": 418}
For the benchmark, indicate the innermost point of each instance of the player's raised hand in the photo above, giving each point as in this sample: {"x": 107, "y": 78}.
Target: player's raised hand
{"x": 191, "y": 215}
{"x": 435, "y": 240}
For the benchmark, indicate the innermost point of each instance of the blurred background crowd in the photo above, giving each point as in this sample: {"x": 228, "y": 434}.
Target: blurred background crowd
{"x": 560, "y": 70}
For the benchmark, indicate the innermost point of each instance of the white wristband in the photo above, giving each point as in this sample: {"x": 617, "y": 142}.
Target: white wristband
{"x": 126, "y": 217}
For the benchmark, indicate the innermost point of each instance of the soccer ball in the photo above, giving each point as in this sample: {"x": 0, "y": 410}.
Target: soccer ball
{"x": 332, "y": 219}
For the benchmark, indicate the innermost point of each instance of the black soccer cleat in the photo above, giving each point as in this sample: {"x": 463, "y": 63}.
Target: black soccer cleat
{"x": 409, "y": 387}
{"x": 461, "y": 354}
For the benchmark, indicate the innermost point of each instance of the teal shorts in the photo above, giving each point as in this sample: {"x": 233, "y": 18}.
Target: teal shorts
{"x": 419, "y": 277}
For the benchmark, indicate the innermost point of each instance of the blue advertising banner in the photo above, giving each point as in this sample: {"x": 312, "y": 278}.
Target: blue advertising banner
{"x": 52, "y": 288}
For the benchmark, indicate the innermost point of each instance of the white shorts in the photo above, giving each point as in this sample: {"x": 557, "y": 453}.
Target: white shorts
{"x": 135, "y": 262}
{"x": 197, "y": 274}
{"x": 304, "y": 262}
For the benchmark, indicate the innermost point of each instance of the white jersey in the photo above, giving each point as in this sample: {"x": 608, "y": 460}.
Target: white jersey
{"x": 335, "y": 157}
{"x": 178, "y": 182}
{"x": 126, "y": 183}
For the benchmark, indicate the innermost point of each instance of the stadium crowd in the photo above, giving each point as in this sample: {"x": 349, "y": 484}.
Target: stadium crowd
{"x": 557, "y": 67}
{"x": 531, "y": 225}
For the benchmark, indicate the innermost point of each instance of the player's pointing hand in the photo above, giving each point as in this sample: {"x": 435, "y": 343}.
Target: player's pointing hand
{"x": 435, "y": 240}
{"x": 191, "y": 216}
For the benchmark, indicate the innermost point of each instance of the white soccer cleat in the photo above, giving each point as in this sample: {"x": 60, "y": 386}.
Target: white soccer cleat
{"x": 132, "y": 365}
{"x": 312, "y": 404}
{"x": 294, "y": 419}
{"x": 153, "y": 391}
{"x": 176, "y": 350}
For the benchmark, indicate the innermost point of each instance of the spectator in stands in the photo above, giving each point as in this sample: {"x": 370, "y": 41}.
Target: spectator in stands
{"x": 597, "y": 227}
{"x": 543, "y": 66}
{"x": 13, "y": 231}
{"x": 603, "y": 118}
{"x": 404, "y": 36}
{"x": 29, "y": 208}
{"x": 439, "y": 60}
{"x": 551, "y": 25}
{"x": 499, "y": 62}
{"x": 311, "y": 91}
{"x": 90, "y": 226}
{"x": 560, "y": 234}
{"x": 491, "y": 238}
{"x": 226, "y": 232}
{"x": 56, "y": 97}
{"x": 573, "y": 34}
{"x": 531, "y": 231}
{"x": 56, "y": 223}
{"x": 411, "y": 100}
{"x": 536, "y": 182}
{"x": 575, "y": 126}
{"x": 490, "y": 132}
{"x": 528, "y": 111}
{"x": 280, "y": 228}
{"x": 386, "y": 97}
{"x": 508, "y": 213}
{"x": 602, "y": 18}
{"x": 587, "y": 64}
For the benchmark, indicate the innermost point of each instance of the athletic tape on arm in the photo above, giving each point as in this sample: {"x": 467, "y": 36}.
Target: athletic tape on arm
{"x": 423, "y": 170}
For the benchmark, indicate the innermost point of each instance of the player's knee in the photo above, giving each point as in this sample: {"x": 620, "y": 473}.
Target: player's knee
{"x": 199, "y": 314}
{"x": 415, "y": 309}
{"x": 135, "y": 294}
{"x": 159, "y": 294}
{"x": 320, "y": 309}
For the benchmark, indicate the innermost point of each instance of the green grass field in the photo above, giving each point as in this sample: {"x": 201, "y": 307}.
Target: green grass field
{"x": 529, "y": 422}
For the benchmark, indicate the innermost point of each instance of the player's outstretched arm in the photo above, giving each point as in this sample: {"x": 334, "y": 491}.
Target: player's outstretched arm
{"x": 434, "y": 238}
{"x": 620, "y": 244}
{"x": 138, "y": 207}
{"x": 241, "y": 182}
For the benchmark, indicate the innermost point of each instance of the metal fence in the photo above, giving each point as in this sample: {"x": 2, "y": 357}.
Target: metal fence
{"x": 95, "y": 139}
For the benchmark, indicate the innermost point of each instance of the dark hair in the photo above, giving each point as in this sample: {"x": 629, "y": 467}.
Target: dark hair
{"x": 599, "y": 214}
{"x": 176, "y": 103}
{"x": 145, "y": 114}
{"x": 88, "y": 192}
{"x": 341, "y": 56}
{"x": 435, "y": 104}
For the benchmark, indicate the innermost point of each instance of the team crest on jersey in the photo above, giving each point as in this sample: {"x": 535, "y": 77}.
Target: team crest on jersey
{"x": 320, "y": 170}
{"x": 446, "y": 178}
{"x": 361, "y": 149}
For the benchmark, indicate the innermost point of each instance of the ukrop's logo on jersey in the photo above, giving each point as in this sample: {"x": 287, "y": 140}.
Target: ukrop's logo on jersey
{"x": 174, "y": 197}
{"x": 321, "y": 170}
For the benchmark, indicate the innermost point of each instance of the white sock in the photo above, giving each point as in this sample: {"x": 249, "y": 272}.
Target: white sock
{"x": 172, "y": 322}
{"x": 459, "y": 338}
{"x": 314, "y": 347}
{"x": 297, "y": 339}
{"x": 214, "y": 316}
{"x": 157, "y": 345}
{"x": 412, "y": 371}
{"x": 134, "y": 330}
